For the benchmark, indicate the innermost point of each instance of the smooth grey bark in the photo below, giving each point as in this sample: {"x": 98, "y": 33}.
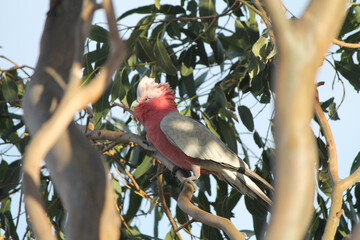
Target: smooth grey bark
{"x": 76, "y": 168}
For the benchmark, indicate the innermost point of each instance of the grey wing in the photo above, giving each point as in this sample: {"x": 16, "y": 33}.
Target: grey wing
{"x": 196, "y": 140}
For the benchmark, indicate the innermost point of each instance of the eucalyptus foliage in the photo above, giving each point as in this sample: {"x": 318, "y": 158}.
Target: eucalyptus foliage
{"x": 215, "y": 59}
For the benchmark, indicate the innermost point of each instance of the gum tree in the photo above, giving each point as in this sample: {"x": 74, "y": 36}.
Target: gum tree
{"x": 227, "y": 62}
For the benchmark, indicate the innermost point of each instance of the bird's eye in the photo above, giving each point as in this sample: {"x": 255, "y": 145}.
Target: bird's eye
{"x": 145, "y": 99}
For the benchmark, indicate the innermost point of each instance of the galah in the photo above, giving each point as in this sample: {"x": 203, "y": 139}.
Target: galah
{"x": 189, "y": 144}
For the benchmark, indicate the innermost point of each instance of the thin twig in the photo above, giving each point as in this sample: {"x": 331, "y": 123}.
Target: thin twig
{"x": 125, "y": 108}
{"x": 344, "y": 44}
{"x": 185, "y": 224}
{"x": 265, "y": 17}
{"x": 336, "y": 196}
{"x": 164, "y": 206}
{"x": 75, "y": 98}
{"x": 17, "y": 66}
{"x": 19, "y": 211}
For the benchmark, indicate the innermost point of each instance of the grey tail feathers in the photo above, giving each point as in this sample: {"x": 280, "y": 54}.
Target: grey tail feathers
{"x": 259, "y": 180}
{"x": 248, "y": 183}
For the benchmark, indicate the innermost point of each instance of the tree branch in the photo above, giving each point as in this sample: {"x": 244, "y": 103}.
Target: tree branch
{"x": 350, "y": 180}
{"x": 336, "y": 196}
{"x": 184, "y": 199}
{"x": 330, "y": 143}
{"x": 52, "y": 131}
{"x": 302, "y": 44}
{"x": 339, "y": 186}
{"x": 344, "y": 44}
{"x": 163, "y": 202}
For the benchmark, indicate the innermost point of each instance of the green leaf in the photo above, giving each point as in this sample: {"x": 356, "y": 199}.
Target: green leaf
{"x": 233, "y": 199}
{"x": 121, "y": 85}
{"x": 258, "y": 140}
{"x": 145, "y": 50}
{"x": 203, "y": 201}
{"x": 333, "y": 111}
{"x": 252, "y": 27}
{"x": 232, "y": 45}
{"x": 173, "y": 29}
{"x": 219, "y": 51}
{"x": 3, "y": 169}
{"x": 322, "y": 152}
{"x": 186, "y": 71}
{"x": 116, "y": 185}
{"x": 12, "y": 177}
{"x": 228, "y": 135}
{"x": 101, "y": 108}
{"x": 98, "y": 34}
{"x": 326, "y": 104}
{"x": 259, "y": 48}
{"x": 356, "y": 164}
{"x": 242, "y": 35}
{"x": 246, "y": 117}
{"x": 259, "y": 216}
{"x": 171, "y": 235}
{"x": 5, "y": 205}
{"x": 210, "y": 233}
{"x": 164, "y": 9}
{"x": 134, "y": 206}
{"x": 272, "y": 53}
{"x": 201, "y": 79}
{"x": 190, "y": 57}
{"x": 209, "y": 125}
{"x": 351, "y": 72}
{"x": 157, "y": 4}
{"x": 164, "y": 59}
{"x": 325, "y": 183}
{"x": 130, "y": 43}
{"x": 187, "y": 86}
{"x": 219, "y": 97}
{"x": 256, "y": 65}
{"x": 352, "y": 20}
{"x": 143, "y": 167}
{"x": 207, "y": 8}
{"x": 9, "y": 89}
{"x": 357, "y": 194}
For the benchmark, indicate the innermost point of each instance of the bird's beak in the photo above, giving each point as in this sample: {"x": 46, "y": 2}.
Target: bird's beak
{"x": 134, "y": 105}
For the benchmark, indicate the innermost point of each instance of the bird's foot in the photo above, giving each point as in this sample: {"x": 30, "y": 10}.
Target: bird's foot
{"x": 191, "y": 180}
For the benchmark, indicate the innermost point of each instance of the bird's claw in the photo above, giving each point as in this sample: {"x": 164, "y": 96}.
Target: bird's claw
{"x": 191, "y": 180}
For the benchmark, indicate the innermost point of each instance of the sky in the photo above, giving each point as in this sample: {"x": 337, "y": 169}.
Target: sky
{"x": 22, "y": 22}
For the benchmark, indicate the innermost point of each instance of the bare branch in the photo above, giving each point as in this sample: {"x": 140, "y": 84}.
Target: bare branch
{"x": 224, "y": 224}
{"x": 344, "y": 44}
{"x": 75, "y": 98}
{"x": 350, "y": 180}
{"x": 302, "y": 45}
{"x": 163, "y": 202}
{"x": 184, "y": 200}
{"x": 330, "y": 143}
{"x": 336, "y": 196}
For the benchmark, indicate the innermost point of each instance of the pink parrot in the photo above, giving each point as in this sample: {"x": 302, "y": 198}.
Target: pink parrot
{"x": 189, "y": 144}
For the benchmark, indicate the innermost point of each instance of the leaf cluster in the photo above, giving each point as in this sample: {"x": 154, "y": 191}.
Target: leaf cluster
{"x": 215, "y": 60}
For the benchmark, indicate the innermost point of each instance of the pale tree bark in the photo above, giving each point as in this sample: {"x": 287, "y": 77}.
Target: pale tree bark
{"x": 52, "y": 98}
{"x": 301, "y": 44}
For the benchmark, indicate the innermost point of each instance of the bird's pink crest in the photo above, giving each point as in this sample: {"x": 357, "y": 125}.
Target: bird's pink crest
{"x": 149, "y": 89}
